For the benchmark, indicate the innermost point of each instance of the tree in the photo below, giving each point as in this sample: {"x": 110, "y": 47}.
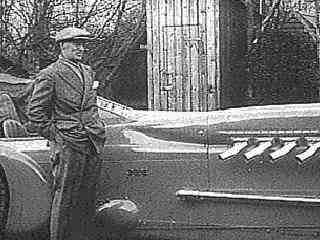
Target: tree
{"x": 27, "y": 28}
{"x": 282, "y": 62}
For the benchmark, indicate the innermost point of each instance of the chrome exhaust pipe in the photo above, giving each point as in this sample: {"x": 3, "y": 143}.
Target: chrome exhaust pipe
{"x": 284, "y": 150}
{"x": 234, "y": 150}
{"x": 263, "y": 146}
{"x": 308, "y": 154}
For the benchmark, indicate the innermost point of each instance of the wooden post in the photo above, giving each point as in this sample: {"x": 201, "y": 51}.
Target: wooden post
{"x": 150, "y": 54}
{"x": 1, "y": 25}
{"x": 214, "y": 56}
{"x": 3, "y": 15}
{"x": 317, "y": 6}
{"x": 261, "y": 4}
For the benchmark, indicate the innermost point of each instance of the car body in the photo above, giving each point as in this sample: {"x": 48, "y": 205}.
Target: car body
{"x": 242, "y": 173}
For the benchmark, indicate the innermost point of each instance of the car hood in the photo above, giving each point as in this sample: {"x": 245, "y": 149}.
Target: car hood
{"x": 165, "y": 119}
{"x": 219, "y": 127}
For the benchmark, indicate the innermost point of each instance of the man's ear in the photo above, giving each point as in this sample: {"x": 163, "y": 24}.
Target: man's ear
{"x": 61, "y": 45}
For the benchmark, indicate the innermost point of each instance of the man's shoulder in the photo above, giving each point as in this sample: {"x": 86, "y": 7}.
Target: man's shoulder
{"x": 61, "y": 66}
{"x": 49, "y": 72}
{"x": 50, "y": 68}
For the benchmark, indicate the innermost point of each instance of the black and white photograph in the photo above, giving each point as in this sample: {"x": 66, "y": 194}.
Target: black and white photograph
{"x": 159, "y": 119}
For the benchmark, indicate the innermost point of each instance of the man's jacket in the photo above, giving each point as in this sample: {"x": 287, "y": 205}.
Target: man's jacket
{"x": 63, "y": 105}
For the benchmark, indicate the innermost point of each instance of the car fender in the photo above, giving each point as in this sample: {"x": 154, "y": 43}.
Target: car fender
{"x": 30, "y": 191}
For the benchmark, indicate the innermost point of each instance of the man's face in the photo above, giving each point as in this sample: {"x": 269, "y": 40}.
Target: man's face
{"x": 72, "y": 50}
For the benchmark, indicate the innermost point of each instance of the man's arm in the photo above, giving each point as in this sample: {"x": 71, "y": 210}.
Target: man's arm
{"x": 41, "y": 106}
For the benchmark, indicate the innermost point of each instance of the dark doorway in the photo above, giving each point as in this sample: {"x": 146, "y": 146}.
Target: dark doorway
{"x": 130, "y": 88}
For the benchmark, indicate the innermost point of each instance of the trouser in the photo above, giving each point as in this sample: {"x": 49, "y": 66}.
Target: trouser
{"x": 73, "y": 208}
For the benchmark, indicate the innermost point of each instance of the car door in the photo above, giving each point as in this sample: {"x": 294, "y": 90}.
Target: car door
{"x": 256, "y": 180}
{"x": 148, "y": 164}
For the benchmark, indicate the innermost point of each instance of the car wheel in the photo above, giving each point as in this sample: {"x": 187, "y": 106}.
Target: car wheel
{"x": 4, "y": 201}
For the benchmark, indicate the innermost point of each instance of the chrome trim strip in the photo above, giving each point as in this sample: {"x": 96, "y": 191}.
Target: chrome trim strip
{"x": 268, "y": 132}
{"x": 236, "y": 149}
{"x": 287, "y": 147}
{"x": 230, "y": 196}
{"x": 21, "y": 139}
{"x": 257, "y": 150}
{"x": 311, "y": 151}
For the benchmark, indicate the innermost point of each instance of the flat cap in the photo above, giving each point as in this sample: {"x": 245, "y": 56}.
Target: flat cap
{"x": 73, "y": 33}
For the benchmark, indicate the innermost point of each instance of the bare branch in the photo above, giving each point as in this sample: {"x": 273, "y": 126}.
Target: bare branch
{"x": 90, "y": 13}
{"x": 109, "y": 19}
{"x": 275, "y": 5}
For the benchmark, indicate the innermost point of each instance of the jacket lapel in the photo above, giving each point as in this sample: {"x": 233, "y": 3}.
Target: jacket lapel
{"x": 74, "y": 77}
{"x": 87, "y": 77}
{"x": 83, "y": 80}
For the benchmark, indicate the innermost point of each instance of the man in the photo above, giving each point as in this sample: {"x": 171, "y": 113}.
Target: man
{"x": 63, "y": 109}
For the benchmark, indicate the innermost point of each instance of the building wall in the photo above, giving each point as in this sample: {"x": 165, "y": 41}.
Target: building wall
{"x": 194, "y": 49}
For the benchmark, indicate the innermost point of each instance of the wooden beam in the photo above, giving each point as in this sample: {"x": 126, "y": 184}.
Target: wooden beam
{"x": 150, "y": 54}
{"x": 317, "y": 6}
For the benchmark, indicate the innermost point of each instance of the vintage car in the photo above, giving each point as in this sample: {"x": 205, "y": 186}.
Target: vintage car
{"x": 243, "y": 173}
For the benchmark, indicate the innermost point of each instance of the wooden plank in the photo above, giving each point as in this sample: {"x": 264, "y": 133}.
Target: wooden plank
{"x": 179, "y": 54}
{"x": 189, "y": 93}
{"x": 162, "y": 54}
{"x": 156, "y": 55}
{"x": 225, "y": 53}
{"x": 150, "y": 53}
{"x": 169, "y": 58}
{"x": 213, "y": 53}
{"x": 202, "y": 80}
{"x": 195, "y": 48}
{"x": 222, "y": 57}
{"x": 168, "y": 50}
{"x": 217, "y": 81}
{"x": 171, "y": 55}
{"x": 233, "y": 78}
{"x": 171, "y": 74}
{"x": 204, "y": 53}
{"x": 186, "y": 55}
{"x": 230, "y": 62}
{"x": 194, "y": 56}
